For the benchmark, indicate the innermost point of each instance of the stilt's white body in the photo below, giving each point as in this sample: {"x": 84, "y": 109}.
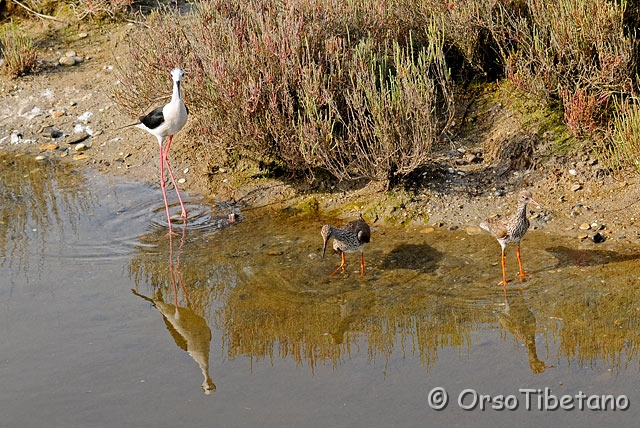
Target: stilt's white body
{"x": 168, "y": 120}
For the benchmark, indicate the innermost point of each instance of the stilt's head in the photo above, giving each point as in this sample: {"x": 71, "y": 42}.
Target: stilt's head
{"x": 177, "y": 74}
{"x": 326, "y": 233}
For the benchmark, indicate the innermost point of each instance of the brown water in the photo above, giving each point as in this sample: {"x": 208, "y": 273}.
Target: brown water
{"x": 105, "y": 321}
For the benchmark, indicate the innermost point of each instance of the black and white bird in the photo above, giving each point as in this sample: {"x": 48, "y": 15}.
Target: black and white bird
{"x": 164, "y": 122}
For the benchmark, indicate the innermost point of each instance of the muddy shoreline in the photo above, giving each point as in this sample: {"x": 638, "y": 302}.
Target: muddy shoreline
{"x": 67, "y": 113}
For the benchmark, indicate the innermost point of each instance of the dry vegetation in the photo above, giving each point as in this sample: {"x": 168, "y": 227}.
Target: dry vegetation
{"x": 368, "y": 88}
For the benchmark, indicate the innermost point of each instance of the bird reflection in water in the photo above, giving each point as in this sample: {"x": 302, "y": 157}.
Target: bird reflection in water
{"x": 521, "y": 322}
{"x": 188, "y": 329}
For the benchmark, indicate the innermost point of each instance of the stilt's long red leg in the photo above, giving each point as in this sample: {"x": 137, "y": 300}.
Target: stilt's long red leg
{"x": 362, "y": 264}
{"x": 163, "y": 186}
{"x": 183, "y": 214}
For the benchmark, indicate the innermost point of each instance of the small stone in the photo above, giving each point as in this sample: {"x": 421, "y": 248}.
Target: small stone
{"x": 186, "y": 170}
{"x": 585, "y": 226}
{"x": 182, "y": 180}
{"x": 58, "y": 113}
{"x": 80, "y": 157}
{"x": 469, "y": 158}
{"x": 67, "y": 61}
{"x": 80, "y": 147}
{"x": 49, "y": 146}
{"x": 40, "y": 157}
{"x": 50, "y": 132}
{"x": 78, "y": 59}
{"x": 77, "y": 138}
{"x": 82, "y": 35}
{"x": 473, "y": 230}
{"x": 576, "y": 187}
{"x": 275, "y": 253}
{"x": 573, "y": 172}
{"x": 583, "y": 236}
{"x": 70, "y": 54}
{"x": 598, "y": 238}
{"x": 427, "y": 230}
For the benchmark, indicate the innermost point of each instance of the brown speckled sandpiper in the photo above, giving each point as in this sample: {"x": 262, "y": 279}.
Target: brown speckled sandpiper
{"x": 511, "y": 230}
{"x": 350, "y": 239}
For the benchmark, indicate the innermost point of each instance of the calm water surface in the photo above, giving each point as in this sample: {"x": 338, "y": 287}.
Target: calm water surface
{"x": 105, "y": 321}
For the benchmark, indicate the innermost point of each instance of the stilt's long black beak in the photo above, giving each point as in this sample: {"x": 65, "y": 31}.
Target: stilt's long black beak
{"x": 324, "y": 247}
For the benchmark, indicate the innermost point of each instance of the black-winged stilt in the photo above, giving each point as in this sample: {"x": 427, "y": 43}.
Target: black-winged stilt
{"x": 164, "y": 122}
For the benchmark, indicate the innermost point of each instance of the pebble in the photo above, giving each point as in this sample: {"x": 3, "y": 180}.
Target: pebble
{"x": 182, "y": 180}
{"x": 186, "y": 170}
{"x": 80, "y": 147}
{"x": 67, "y": 61}
{"x": 40, "y": 157}
{"x": 573, "y": 172}
{"x": 583, "y": 236}
{"x": 70, "y": 58}
{"x": 585, "y": 226}
{"x": 50, "y": 132}
{"x": 576, "y": 187}
{"x": 427, "y": 230}
{"x": 77, "y": 138}
{"x": 598, "y": 238}
{"x": 84, "y": 117}
{"x": 48, "y": 146}
{"x": 473, "y": 230}
{"x": 80, "y": 157}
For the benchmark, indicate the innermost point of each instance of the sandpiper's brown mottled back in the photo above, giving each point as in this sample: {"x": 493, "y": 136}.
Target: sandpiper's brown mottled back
{"x": 511, "y": 230}
{"x": 350, "y": 239}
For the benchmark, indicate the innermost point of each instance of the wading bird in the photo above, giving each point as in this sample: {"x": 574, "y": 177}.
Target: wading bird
{"x": 349, "y": 239}
{"x": 511, "y": 230}
{"x": 163, "y": 123}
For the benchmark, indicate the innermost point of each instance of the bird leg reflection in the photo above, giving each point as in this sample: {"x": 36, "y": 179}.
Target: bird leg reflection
{"x": 188, "y": 329}
{"x": 521, "y": 323}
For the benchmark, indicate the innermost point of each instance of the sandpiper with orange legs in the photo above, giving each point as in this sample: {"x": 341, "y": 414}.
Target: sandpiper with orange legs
{"x": 511, "y": 229}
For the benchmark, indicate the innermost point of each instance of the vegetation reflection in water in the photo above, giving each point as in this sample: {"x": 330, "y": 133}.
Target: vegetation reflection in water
{"x": 262, "y": 283}
{"x": 34, "y": 198}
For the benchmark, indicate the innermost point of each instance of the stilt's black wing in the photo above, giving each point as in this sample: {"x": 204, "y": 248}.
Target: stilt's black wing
{"x": 153, "y": 119}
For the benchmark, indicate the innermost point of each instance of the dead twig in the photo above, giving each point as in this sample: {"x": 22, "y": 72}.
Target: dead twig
{"x": 39, "y": 15}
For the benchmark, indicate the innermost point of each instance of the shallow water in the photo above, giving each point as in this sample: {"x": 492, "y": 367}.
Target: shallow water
{"x": 106, "y": 321}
